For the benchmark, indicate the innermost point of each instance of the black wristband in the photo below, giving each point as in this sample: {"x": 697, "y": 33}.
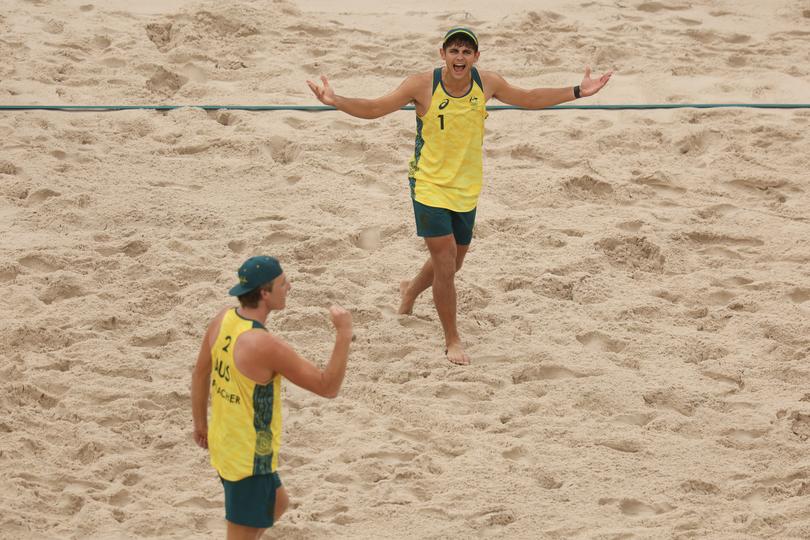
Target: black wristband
{"x": 576, "y": 92}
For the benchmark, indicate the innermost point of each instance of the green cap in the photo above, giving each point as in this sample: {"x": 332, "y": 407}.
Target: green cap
{"x": 460, "y": 30}
{"x": 255, "y": 272}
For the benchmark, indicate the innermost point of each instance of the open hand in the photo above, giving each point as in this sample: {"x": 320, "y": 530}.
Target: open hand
{"x": 324, "y": 93}
{"x": 589, "y": 87}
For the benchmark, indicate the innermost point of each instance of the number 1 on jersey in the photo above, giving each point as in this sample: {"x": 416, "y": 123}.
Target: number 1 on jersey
{"x": 441, "y": 121}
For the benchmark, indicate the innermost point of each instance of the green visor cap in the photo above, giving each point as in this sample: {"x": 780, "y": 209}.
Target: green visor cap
{"x": 255, "y": 272}
{"x": 461, "y": 30}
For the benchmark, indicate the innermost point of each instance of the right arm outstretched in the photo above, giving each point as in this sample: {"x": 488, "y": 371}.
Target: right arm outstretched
{"x": 368, "y": 108}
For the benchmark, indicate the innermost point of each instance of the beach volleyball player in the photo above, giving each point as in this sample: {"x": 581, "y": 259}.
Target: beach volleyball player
{"x": 445, "y": 174}
{"x": 240, "y": 365}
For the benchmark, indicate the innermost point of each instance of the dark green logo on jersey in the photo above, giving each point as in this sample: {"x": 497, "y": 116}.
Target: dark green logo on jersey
{"x": 444, "y": 104}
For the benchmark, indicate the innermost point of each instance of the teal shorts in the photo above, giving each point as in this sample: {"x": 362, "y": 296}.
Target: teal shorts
{"x": 431, "y": 221}
{"x": 251, "y": 501}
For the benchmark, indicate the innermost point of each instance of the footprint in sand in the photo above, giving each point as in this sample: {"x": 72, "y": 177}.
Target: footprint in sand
{"x": 799, "y": 295}
{"x": 9, "y": 272}
{"x": 135, "y": 248}
{"x": 62, "y": 287}
{"x": 596, "y": 341}
{"x": 744, "y": 436}
{"x": 697, "y": 144}
{"x": 159, "y": 34}
{"x": 225, "y": 118}
{"x": 237, "y": 246}
{"x": 41, "y": 195}
{"x": 455, "y": 392}
{"x": 164, "y": 82}
{"x": 801, "y": 425}
{"x": 69, "y": 504}
{"x": 587, "y": 187}
{"x": 623, "y": 445}
{"x": 282, "y": 150}
{"x": 719, "y": 298}
{"x": 121, "y": 498}
{"x": 672, "y": 400}
{"x": 633, "y": 253}
{"x": 731, "y": 385}
{"x": 54, "y": 27}
{"x": 295, "y": 123}
{"x": 160, "y": 339}
{"x": 714, "y": 244}
{"x": 631, "y": 226}
{"x": 496, "y": 518}
{"x": 655, "y": 7}
{"x": 270, "y": 218}
{"x": 636, "y": 508}
{"x": 39, "y": 263}
{"x": 114, "y": 62}
{"x": 279, "y": 238}
{"x": 6, "y": 167}
{"x": 660, "y": 183}
{"x": 29, "y": 395}
{"x": 336, "y": 478}
{"x": 711, "y": 238}
{"x": 543, "y": 373}
{"x": 367, "y": 239}
{"x": 417, "y": 435}
{"x": 634, "y": 419}
{"x": 765, "y": 188}
{"x": 194, "y": 73}
{"x": 199, "y": 503}
{"x": 700, "y": 487}
{"x": 715, "y": 211}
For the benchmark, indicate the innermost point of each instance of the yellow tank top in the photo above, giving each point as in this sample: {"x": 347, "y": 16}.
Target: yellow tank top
{"x": 446, "y": 170}
{"x": 244, "y": 434}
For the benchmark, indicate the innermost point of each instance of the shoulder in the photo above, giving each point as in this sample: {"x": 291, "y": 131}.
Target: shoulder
{"x": 259, "y": 341}
{"x": 213, "y": 326}
{"x": 217, "y": 320}
{"x": 422, "y": 76}
{"x": 259, "y": 348}
{"x": 418, "y": 80}
{"x": 490, "y": 77}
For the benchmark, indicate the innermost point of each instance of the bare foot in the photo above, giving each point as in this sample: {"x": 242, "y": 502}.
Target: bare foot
{"x": 455, "y": 353}
{"x": 406, "y": 304}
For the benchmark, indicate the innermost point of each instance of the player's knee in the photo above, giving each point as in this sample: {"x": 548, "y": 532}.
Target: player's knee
{"x": 445, "y": 268}
{"x": 282, "y": 503}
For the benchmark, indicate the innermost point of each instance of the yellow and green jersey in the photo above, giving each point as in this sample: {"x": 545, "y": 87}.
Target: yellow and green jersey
{"x": 244, "y": 434}
{"x": 447, "y": 170}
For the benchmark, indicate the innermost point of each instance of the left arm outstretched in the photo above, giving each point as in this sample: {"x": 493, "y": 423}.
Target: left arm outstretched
{"x": 540, "y": 98}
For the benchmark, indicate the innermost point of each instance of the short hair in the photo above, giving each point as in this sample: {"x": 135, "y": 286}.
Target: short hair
{"x": 251, "y": 299}
{"x": 460, "y": 39}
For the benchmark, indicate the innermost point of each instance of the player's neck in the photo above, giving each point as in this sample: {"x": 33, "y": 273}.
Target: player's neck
{"x": 456, "y": 87}
{"x": 258, "y": 314}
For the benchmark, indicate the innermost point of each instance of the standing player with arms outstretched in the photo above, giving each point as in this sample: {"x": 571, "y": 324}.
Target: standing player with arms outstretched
{"x": 446, "y": 171}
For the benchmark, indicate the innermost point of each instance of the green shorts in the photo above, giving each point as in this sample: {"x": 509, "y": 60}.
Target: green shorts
{"x": 251, "y": 501}
{"x": 431, "y": 221}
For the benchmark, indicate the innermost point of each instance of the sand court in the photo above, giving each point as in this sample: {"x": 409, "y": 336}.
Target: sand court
{"x": 636, "y": 300}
